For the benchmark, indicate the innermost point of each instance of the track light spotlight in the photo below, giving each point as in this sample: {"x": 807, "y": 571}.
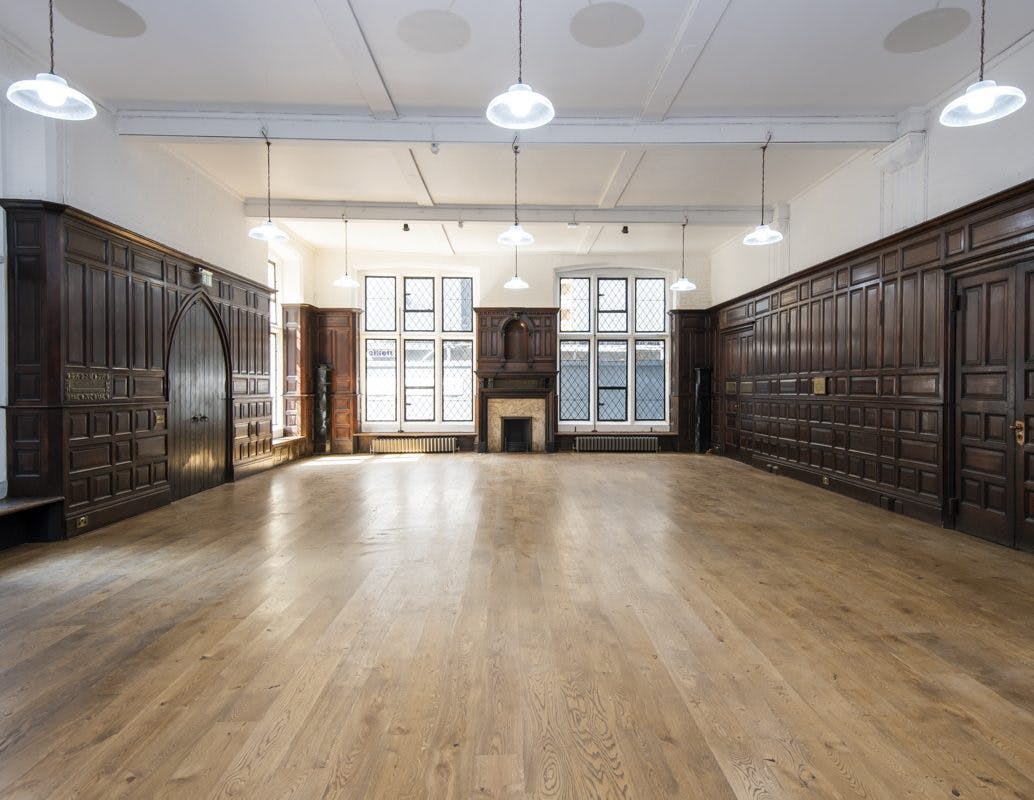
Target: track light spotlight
{"x": 624, "y": 229}
{"x": 405, "y": 227}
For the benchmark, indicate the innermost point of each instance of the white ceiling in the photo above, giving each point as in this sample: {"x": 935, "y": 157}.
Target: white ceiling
{"x": 406, "y": 59}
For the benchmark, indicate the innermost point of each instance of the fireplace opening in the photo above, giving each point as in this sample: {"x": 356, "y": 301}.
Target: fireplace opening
{"x": 516, "y": 434}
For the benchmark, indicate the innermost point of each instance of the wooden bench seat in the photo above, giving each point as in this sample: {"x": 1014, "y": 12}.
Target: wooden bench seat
{"x": 30, "y": 519}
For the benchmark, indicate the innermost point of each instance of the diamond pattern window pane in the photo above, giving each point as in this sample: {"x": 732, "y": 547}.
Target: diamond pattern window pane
{"x": 458, "y": 304}
{"x": 381, "y": 385}
{"x": 612, "y": 376}
{"x": 457, "y": 381}
{"x": 574, "y": 380}
{"x": 380, "y": 304}
{"x": 649, "y": 305}
{"x": 419, "y": 310}
{"x": 649, "y": 380}
{"x": 419, "y": 375}
{"x": 612, "y": 305}
{"x": 574, "y": 305}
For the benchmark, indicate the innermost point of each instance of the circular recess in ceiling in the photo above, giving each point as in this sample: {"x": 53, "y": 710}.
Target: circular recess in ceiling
{"x": 106, "y": 17}
{"x": 606, "y": 24}
{"x": 434, "y": 31}
{"x": 927, "y": 30}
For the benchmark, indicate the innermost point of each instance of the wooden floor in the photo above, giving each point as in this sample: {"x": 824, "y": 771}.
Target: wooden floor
{"x": 517, "y": 626}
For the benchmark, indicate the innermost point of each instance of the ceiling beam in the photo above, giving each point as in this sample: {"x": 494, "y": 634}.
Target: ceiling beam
{"x": 413, "y": 176}
{"x": 623, "y": 174}
{"x": 207, "y": 125}
{"x": 344, "y": 29}
{"x": 698, "y": 25}
{"x": 411, "y": 212}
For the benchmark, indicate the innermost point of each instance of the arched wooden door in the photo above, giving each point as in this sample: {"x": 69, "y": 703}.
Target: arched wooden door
{"x": 197, "y": 404}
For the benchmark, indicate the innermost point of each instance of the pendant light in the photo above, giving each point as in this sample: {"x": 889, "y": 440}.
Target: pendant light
{"x": 516, "y": 282}
{"x": 49, "y": 95}
{"x": 683, "y": 284}
{"x": 346, "y": 281}
{"x": 763, "y": 234}
{"x": 983, "y": 101}
{"x": 268, "y": 231}
{"x": 515, "y": 235}
{"x": 519, "y": 107}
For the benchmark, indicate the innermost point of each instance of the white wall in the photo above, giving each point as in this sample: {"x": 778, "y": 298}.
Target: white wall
{"x": 872, "y": 196}
{"x": 492, "y": 271}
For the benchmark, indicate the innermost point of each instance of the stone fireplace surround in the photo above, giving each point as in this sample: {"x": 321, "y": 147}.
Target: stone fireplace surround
{"x": 500, "y": 407}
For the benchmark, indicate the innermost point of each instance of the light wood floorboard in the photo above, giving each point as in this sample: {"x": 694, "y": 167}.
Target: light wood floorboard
{"x": 517, "y": 626}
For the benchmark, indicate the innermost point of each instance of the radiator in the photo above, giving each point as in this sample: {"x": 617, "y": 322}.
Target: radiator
{"x": 616, "y": 444}
{"x": 383, "y": 445}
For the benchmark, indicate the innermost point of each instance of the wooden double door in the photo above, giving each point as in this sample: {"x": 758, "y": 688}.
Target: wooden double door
{"x": 197, "y": 378}
{"x": 994, "y": 405}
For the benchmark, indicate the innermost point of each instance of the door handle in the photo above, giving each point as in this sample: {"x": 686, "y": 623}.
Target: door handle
{"x": 195, "y": 418}
{"x": 1021, "y": 432}
{"x": 204, "y": 417}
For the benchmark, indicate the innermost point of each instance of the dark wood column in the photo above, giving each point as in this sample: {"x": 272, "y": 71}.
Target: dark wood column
{"x": 692, "y": 347}
{"x": 337, "y": 346}
{"x": 299, "y": 369}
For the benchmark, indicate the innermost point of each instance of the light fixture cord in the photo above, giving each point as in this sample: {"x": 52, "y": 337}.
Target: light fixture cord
{"x": 269, "y": 185}
{"x": 516, "y": 149}
{"x": 764, "y": 150}
{"x": 51, "y": 37}
{"x": 520, "y": 41}
{"x": 346, "y": 243}
{"x": 683, "y": 249}
{"x": 983, "y": 18}
{"x": 515, "y": 261}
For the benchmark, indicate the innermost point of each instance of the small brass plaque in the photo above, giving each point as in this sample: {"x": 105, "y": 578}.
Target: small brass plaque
{"x": 87, "y": 385}
{"x": 819, "y": 385}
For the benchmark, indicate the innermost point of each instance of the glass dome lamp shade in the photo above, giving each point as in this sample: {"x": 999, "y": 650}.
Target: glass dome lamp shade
{"x": 762, "y": 235}
{"x": 516, "y": 282}
{"x": 520, "y": 108}
{"x": 516, "y": 236}
{"x": 50, "y": 95}
{"x": 268, "y": 232}
{"x": 984, "y": 101}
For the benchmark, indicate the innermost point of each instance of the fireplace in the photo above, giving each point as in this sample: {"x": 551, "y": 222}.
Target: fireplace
{"x": 516, "y": 380}
{"x": 516, "y": 434}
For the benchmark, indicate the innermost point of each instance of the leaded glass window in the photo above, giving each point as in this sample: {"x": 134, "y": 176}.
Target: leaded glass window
{"x": 575, "y": 311}
{"x": 575, "y": 387}
{"x": 612, "y": 379}
{"x": 381, "y": 386}
{"x": 649, "y": 305}
{"x": 457, "y": 381}
{"x": 649, "y": 380}
{"x": 612, "y": 305}
{"x": 613, "y": 350}
{"x": 419, "y": 305}
{"x": 419, "y": 380}
{"x": 380, "y": 304}
{"x": 458, "y": 305}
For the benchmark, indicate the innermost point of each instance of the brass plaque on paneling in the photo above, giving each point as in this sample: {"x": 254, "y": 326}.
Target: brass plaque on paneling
{"x": 87, "y": 385}
{"x": 818, "y": 385}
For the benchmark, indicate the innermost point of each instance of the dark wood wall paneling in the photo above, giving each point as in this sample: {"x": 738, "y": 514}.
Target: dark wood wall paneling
{"x": 92, "y": 308}
{"x": 874, "y": 329}
{"x": 299, "y": 368}
{"x": 337, "y": 346}
{"x": 692, "y": 348}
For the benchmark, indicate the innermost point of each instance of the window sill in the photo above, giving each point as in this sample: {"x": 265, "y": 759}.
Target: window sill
{"x": 287, "y": 439}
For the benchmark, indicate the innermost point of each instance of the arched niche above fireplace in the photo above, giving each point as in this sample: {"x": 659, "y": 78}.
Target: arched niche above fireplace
{"x": 515, "y": 335}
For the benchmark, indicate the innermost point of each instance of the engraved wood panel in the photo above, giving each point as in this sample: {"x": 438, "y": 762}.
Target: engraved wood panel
{"x": 985, "y": 336}
{"x": 515, "y": 340}
{"x": 337, "y": 346}
{"x": 691, "y": 347}
{"x": 1024, "y": 392}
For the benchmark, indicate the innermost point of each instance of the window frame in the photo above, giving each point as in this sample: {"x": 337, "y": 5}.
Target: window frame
{"x": 401, "y": 423}
{"x": 631, "y": 336}
{"x": 470, "y": 281}
{"x": 406, "y": 311}
{"x": 276, "y": 349}
{"x": 441, "y": 390}
{"x": 395, "y": 293}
